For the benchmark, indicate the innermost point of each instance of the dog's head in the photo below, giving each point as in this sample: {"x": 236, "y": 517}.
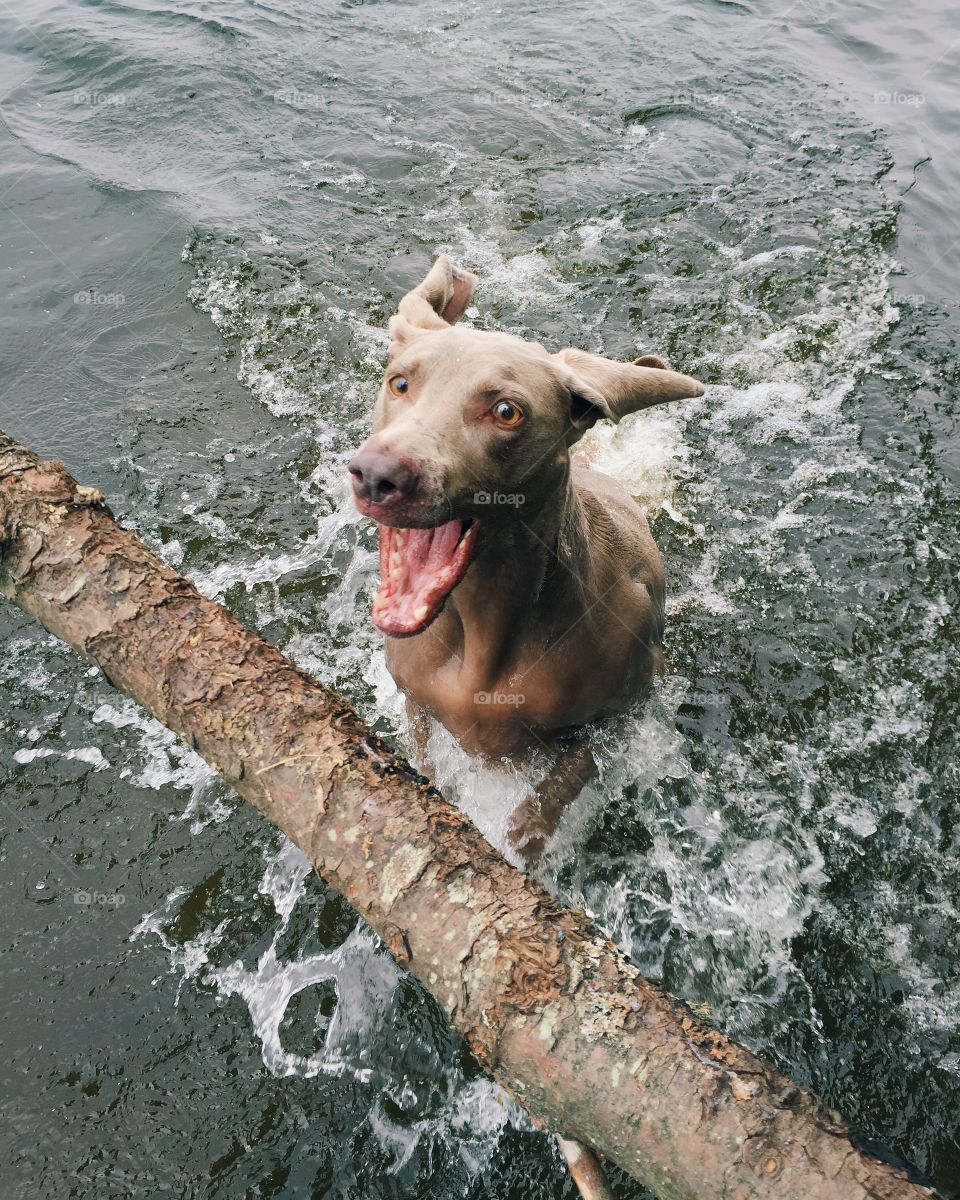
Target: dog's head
{"x": 470, "y": 429}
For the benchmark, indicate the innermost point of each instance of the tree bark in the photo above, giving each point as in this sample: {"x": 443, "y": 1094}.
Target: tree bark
{"x": 566, "y": 1024}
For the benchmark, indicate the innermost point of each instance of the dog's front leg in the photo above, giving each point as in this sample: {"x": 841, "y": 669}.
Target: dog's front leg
{"x": 418, "y": 728}
{"x": 585, "y": 1168}
{"x": 536, "y": 819}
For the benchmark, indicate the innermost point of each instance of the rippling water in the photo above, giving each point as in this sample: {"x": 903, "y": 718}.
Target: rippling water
{"x": 208, "y": 209}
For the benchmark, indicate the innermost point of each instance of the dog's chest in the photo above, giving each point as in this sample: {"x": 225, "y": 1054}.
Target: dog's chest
{"x": 549, "y": 686}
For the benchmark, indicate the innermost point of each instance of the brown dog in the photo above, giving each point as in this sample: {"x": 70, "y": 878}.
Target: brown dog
{"x": 521, "y": 592}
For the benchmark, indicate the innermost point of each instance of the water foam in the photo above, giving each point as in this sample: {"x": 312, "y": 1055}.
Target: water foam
{"x": 166, "y": 762}
{"x": 364, "y": 979}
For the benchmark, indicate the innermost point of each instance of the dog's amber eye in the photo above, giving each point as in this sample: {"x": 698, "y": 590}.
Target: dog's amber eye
{"x": 507, "y": 413}
{"x": 398, "y": 385}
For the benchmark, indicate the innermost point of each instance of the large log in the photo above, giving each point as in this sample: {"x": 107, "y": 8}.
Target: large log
{"x": 591, "y": 1048}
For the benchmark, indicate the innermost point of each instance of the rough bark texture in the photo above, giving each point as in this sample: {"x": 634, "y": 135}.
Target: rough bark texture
{"x": 549, "y": 1006}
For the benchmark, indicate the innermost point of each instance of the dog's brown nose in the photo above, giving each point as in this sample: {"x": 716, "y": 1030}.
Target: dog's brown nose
{"x": 380, "y": 478}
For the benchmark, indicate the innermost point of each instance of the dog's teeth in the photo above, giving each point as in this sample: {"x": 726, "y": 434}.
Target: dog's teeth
{"x": 379, "y": 600}
{"x": 421, "y": 612}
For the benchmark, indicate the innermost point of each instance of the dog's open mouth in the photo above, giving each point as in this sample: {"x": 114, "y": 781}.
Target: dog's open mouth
{"x": 419, "y": 568}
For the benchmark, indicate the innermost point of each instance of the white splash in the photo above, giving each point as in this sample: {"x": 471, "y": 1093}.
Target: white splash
{"x": 91, "y": 755}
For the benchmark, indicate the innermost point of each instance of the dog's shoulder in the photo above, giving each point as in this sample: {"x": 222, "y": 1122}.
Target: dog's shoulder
{"x": 618, "y": 530}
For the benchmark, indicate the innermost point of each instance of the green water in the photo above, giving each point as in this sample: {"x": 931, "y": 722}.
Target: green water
{"x": 207, "y": 210}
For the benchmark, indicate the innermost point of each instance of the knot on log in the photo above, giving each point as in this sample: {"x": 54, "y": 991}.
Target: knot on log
{"x": 535, "y": 972}
{"x": 397, "y": 943}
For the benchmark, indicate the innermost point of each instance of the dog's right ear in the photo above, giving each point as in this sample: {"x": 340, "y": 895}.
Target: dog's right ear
{"x": 433, "y": 304}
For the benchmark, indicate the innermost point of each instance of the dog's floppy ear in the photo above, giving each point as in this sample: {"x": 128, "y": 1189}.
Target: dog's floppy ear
{"x": 600, "y": 387}
{"x": 435, "y": 303}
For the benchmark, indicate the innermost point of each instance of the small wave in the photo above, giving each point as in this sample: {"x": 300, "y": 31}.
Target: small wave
{"x": 350, "y": 991}
{"x": 91, "y": 755}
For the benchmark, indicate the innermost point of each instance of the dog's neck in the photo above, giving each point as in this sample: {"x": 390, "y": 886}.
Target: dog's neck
{"x": 526, "y": 567}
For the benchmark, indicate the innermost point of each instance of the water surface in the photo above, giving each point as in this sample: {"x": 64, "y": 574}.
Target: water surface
{"x": 208, "y": 210}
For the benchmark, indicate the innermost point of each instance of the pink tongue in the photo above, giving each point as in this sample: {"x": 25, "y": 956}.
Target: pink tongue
{"x": 418, "y": 567}
{"x": 427, "y": 551}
